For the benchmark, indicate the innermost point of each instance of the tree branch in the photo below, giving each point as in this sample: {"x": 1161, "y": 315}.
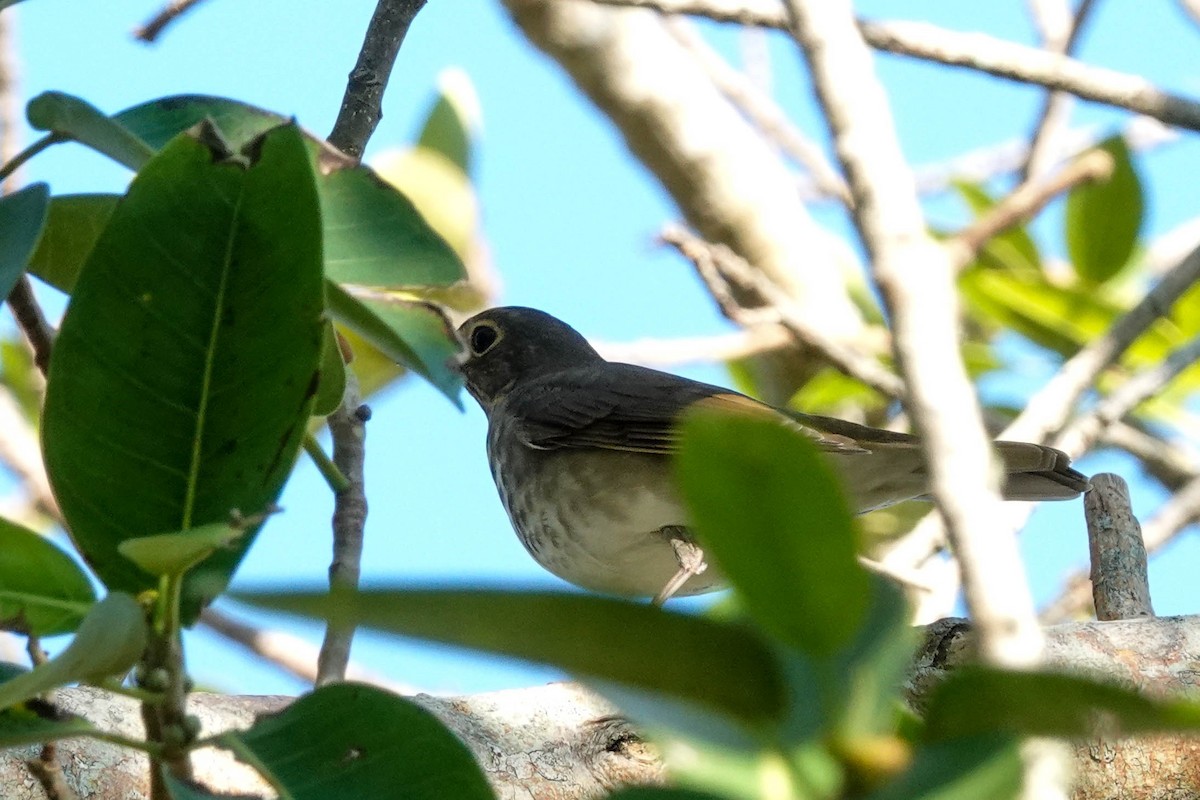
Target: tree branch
{"x": 975, "y": 51}
{"x": 362, "y": 104}
{"x": 171, "y": 12}
{"x": 1120, "y": 584}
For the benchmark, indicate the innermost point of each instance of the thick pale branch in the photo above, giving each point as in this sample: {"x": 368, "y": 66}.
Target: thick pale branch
{"x": 975, "y": 51}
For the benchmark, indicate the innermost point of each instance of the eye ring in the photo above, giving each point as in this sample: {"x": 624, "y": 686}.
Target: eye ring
{"x": 483, "y": 337}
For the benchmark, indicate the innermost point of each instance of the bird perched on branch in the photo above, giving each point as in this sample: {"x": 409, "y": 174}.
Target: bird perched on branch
{"x": 580, "y": 450}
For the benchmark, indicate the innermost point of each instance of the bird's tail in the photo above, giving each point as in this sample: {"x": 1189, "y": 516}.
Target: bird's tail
{"x": 1036, "y": 472}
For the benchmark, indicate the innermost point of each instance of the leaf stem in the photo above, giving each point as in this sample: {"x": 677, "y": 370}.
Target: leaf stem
{"x": 329, "y": 471}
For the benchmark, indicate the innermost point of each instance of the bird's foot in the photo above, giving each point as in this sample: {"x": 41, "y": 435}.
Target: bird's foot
{"x": 691, "y": 562}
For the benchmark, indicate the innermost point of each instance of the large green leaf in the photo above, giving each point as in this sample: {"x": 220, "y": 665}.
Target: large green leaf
{"x": 349, "y": 742}
{"x": 452, "y": 119}
{"x": 720, "y": 666}
{"x": 78, "y": 119}
{"x": 42, "y": 591}
{"x": 985, "y": 767}
{"x": 186, "y": 363}
{"x": 22, "y": 219}
{"x": 977, "y": 700}
{"x": 1103, "y": 218}
{"x": 109, "y": 641}
{"x": 773, "y": 516}
{"x": 73, "y": 226}
{"x": 413, "y": 333}
{"x": 373, "y": 234}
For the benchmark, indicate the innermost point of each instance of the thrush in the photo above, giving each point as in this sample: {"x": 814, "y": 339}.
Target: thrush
{"x": 580, "y": 449}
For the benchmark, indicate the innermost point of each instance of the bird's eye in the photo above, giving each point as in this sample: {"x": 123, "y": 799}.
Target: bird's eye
{"x": 483, "y": 337}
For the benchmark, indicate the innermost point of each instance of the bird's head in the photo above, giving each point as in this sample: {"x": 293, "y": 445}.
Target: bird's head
{"x": 509, "y": 344}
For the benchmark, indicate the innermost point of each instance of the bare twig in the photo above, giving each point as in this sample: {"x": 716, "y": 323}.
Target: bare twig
{"x": 1074, "y": 601}
{"x": 1059, "y": 36}
{"x": 32, "y": 322}
{"x": 362, "y": 104}
{"x": 49, "y": 774}
{"x": 360, "y": 112}
{"x": 1169, "y": 464}
{"x": 722, "y": 270}
{"x": 1024, "y": 203}
{"x": 761, "y": 109}
{"x": 971, "y": 50}
{"x": 172, "y": 11}
{"x": 348, "y": 429}
{"x": 1120, "y": 584}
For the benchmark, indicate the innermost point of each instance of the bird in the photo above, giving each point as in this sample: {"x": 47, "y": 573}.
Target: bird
{"x": 580, "y": 451}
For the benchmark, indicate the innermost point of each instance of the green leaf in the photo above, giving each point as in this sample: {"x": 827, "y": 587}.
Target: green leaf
{"x": 977, "y": 700}
{"x": 78, "y": 119}
{"x": 73, "y": 225}
{"x": 451, "y": 121}
{"x": 175, "y": 553}
{"x": 986, "y": 767}
{"x": 186, "y": 364}
{"x": 22, "y": 219}
{"x": 42, "y": 591}
{"x": 332, "y": 387}
{"x": 772, "y": 515}
{"x": 719, "y": 666}
{"x": 1103, "y": 218}
{"x": 36, "y": 722}
{"x": 348, "y": 741}
{"x": 661, "y": 793}
{"x": 373, "y": 234}
{"x": 109, "y": 641}
{"x": 193, "y": 790}
{"x": 411, "y": 333}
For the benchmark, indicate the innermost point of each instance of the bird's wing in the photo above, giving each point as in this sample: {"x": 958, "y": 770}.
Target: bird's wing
{"x": 630, "y": 408}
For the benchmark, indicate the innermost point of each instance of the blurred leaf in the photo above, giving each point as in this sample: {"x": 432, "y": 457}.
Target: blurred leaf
{"x": 22, "y": 219}
{"x": 73, "y": 225}
{"x": 410, "y": 332}
{"x": 78, "y": 119}
{"x": 109, "y": 642}
{"x": 1062, "y": 319}
{"x": 373, "y": 369}
{"x": 985, "y": 767}
{"x": 348, "y": 741}
{"x": 979, "y": 700}
{"x": 440, "y": 189}
{"x": 772, "y": 515}
{"x": 1012, "y": 249}
{"x": 186, "y": 364}
{"x": 832, "y": 392}
{"x": 722, "y": 667}
{"x": 332, "y": 387}
{"x": 36, "y": 722}
{"x": 175, "y": 553}
{"x": 451, "y": 121}
{"x": 1103, "y": 218}
{"x": 193, "y": 790}
{"x": 661, "y": 793}
{"x": 42, "y": 590}
{"x": 18, "y": 373}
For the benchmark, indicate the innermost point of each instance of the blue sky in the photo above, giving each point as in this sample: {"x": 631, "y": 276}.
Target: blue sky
{"x": 570, "y": 219}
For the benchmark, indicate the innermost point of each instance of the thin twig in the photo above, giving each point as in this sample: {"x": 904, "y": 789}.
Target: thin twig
{"x": 362, "y": 104}
{"x": 719, "y": 267}
{"x": 348, "y": 429}
{"x": 1052, "y": 118}
{"x": 32, "y": 322}
{"x": 761, "y": 109}
{"x": 1120, "y": 584}
{"x": 169, "y": 13}
{"x": 1082, "y": 433}
{"x": 1024, "y": 203}
{"x": 1074, "y": 600}
{"x": 49, "y": 774}
{"x": 1169, "y": 464}
{"x": 975, "y": 51}
{"x": 360, "y": 112}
